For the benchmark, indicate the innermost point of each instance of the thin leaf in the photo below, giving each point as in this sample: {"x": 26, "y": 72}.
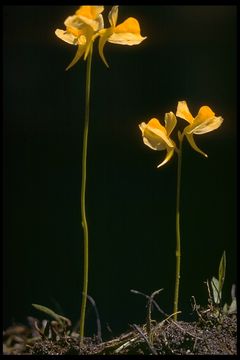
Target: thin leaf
{"x": 51, "y": 313}
{"x": 215, "y": 290}
{"x": 222, "y": 271}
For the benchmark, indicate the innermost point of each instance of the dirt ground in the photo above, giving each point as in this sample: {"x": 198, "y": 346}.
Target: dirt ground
{"x": 211, "y": 334}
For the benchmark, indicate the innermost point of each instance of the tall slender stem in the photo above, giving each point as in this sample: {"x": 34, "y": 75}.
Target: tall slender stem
{"x": 178, "y": 238}
{"x": 83, "y": 192}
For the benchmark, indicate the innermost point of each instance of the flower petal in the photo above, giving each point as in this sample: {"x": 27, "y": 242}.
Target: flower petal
{"x": 130, "y": 25}
{"x": 193, "y": 144}
{"x": 67, "y": 37}
{"x": 104, "y": 35}
{"x": 170, "y": 152}
{"x": 170, "y": 122}
{"x": 204, "y": 113}
{"x": 91, "y": 16}
{"x": 155, "y": 125}
{"x": 90, "y": 11}
{"x": 205, "y": 121}
{"x": 113, "y": 16}
{"x": 96, "y": 25}
{"x": 155, "y": 135}
{"x": 78, "y": 55}
{"x": 205, "y": 126}
{"x": 127, "y": 33}
{"x": 151, "y": 139}
{"x": 73, "y": 23}
{"x": 183, "y": 112}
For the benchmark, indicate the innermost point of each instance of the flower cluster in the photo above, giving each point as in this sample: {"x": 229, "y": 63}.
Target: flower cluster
{"x": 157, "y": 137}
{"x": 87, "y": 24}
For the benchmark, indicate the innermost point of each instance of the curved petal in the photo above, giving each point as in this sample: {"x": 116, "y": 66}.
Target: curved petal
{"x": 67, "y": 37}
{"x": 90, "y": 11}
{"x": 183, "y": 112}
{"x": 104, "y": 35}
{"x": 96, "y": 25}
{"x": 91, "y": 16}
{"x": 155, "y": 135}
{"x": 130, "y": 25}
{"x": 155, "y": 129}
{"x": 126, "y": 39}
{"x": 170, "y": 122}
{"x": 170, "y": 152}
{"x": 193, "y": 144}
{"x": 74, "y": 24}
{"x": 154, "y": 124}
{"x": 151, "y": 139}
{"x": 154, "y": 143}
{"x": 113, "y": 16}
{"x": 205, "y": 126}
{"x": 205, "y": 121}
{"x": 204, "y": 113}
{"x": 127, "y": 33}
{"x": 78, "y": 55}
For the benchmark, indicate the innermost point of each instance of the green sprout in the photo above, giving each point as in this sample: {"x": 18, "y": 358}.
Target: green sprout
{"x": 217, "y": 284}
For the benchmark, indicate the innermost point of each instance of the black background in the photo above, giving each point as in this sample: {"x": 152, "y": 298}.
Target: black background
{"x": 189, "y": 54}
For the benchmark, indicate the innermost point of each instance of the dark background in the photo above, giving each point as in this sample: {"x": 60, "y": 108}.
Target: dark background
{"x": 190, "y": 54}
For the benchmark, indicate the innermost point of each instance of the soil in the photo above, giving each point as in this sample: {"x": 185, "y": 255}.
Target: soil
{"x": 214, "y": 333}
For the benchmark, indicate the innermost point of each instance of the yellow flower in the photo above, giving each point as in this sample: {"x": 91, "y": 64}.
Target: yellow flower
{"x": 126, "y": 33}
{"x": 157, "y": 137}
{"x": 82, "y": 29}
{"x": 204, "y": 122}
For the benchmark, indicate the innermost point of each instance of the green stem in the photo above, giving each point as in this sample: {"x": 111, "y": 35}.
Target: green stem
{"x": 178, "y": 239}
{"x": 83, "y": 191}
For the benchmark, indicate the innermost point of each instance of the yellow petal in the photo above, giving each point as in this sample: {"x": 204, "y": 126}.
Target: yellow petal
{"x": 153, "y": 141}
{"x": 89, "y": 11}
{"x": 204, "y": 113}
{"x": 104, "y": 35}
{"x": 170, "y": 122}
{"x": 74, "y": 31}
{"x": 79, "y": 54}
{"x": 205, "y": 126}
{"x": 130, "y": 25}
{"x": 67, "y": 37}
{"x": 91, "y": 16}
{"x": 75, "y": 23}
{"x": 113, "y": 15}
{"x": 155, "y": 135}
{"x": 126, "y": 39}
{"x": 96, "y": 25}
{"x": 170, "y": 152}
{"x": 150, "y": 138}
{"x": 205, "y": 121}
{"x": 127, "y": 33}
{"x": 193, "y": 144}
{"x": 183, "y": 112}
{"x": 155, "y": 124}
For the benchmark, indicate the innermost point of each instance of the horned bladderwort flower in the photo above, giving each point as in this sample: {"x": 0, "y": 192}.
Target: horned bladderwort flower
{"x": 82, "y": 29}
{"x": 157, "y": 137}
{"x": 204, "y": 122}
{"x": 87, "y": 24}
